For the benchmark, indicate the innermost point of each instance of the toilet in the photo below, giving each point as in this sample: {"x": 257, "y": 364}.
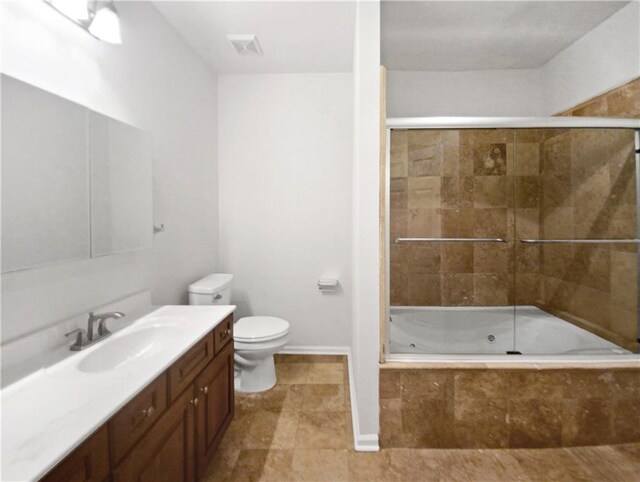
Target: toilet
{"x": 255, "y": 338}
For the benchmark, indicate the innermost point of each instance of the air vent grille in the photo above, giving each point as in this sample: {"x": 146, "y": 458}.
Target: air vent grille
{"x": 245, "y": 44}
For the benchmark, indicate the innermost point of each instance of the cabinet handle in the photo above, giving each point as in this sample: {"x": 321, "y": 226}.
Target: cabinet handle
{"x": 147, "y": 412}
{"x": 228, "y": 331}
{"x": 204, "y": 390}
{"x": 194, "y": 402}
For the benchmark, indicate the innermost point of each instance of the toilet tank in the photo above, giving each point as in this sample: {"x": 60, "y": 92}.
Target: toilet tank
{"x": 215, "y": 289}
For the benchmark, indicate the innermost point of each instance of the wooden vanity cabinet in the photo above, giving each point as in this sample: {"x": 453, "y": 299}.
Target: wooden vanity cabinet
{"x": 89, "y": 462}
{"x": 171, "y": 429}
{"x": 166, "y": 452}
{"x": 214, "y": 389}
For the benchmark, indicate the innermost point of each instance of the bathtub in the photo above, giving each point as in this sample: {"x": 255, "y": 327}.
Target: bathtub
{"x": 421, "y": 333}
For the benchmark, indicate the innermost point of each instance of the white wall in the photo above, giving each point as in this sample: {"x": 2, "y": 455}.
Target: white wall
{"x": 285, "y": 157}
{"x": 154, "y": 81}
{"x": 472, "y": 93}
{"x": 603, "y": 59}
{"x": 366, "y": 219}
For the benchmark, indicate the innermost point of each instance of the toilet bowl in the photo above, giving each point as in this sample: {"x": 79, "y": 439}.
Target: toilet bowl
{"x": 255, "y": 338}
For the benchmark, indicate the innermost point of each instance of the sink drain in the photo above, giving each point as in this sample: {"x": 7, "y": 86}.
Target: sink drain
{"x": 491, "y": 339}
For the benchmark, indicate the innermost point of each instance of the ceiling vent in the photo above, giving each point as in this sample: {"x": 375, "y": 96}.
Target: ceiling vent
{"x": 245, "y": 44}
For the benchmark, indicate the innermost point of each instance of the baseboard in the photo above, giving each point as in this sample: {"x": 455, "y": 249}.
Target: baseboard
{"x": 315, "y": 350}
{"x": 361, "y": 442}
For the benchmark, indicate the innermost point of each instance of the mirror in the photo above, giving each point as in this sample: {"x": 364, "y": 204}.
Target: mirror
{"x": 121, "y": 207}
{"x": 75, "y": 184}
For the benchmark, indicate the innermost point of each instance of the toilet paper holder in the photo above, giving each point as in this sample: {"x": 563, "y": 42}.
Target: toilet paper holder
{"x": 328, "y": 284}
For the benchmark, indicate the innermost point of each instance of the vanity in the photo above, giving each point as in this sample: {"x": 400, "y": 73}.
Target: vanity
{"x": 152, "y": 402}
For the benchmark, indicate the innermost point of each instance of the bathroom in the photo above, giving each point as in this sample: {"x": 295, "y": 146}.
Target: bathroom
{"x": 237, "y": 211}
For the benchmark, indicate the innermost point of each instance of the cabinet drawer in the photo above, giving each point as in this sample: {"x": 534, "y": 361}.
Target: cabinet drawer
{"x": 223, "y": 333}
{"x": 135, "y": 418}
{"x": 89, "y": 462}
{"x": 182, "y": 372}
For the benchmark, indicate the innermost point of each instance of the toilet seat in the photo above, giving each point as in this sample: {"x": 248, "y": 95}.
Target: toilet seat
{"x": 256, "y": 329}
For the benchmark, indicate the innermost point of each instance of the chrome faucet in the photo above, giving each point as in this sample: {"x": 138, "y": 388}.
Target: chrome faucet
{"x": 86, "y": 338}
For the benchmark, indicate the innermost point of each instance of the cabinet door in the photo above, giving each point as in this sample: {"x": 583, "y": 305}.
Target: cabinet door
{"x": 166, "y": 452}
{"x": 89, "y": 462}
{"x": 214, "y": 388}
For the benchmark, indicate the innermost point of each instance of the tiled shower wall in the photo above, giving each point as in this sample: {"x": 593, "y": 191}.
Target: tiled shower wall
{"x": 449, "y": 183}
{"x": 605, "y": 303}
{"x": 588, "y": 187}
{"x": 566, "y": 184}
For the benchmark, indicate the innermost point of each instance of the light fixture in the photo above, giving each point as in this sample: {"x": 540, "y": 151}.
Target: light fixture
{"x": 74, "y": 9}
{"x": 99, "y": 18}
{"x": 105, "y": 24}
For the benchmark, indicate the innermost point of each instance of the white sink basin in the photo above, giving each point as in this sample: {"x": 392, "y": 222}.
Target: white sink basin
{"x": 134, "y": 345}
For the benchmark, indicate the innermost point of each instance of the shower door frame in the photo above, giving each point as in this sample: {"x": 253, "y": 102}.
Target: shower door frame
{"x": 463, "y": 123}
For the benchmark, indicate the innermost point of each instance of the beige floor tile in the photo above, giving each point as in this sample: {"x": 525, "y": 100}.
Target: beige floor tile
{"x": 320, "y": 465}
{"x": 262, "y": 430}
{"x": 484, "y": 465}
{"x": 282, "y": 397}
{"x": 286, "y": 430}
{"x": 332, "y": 373}
{"x": 607, "y": 464}
{"x": 322, "y": 430}
{"x": 510, "y": 465}
{"x": 551, "y": 465}
{"x": 321, "y": 397}
{"x": 249, "y": 466}
{"x": 409, "y": 464}
{"x": 237, "y": 431}
{"x": 366, "y": 466}
{"x": 248, "y": 402}
{"x": 278, "y": 466}
{"x": 292, "y": 373}
{"x": 221, "y": 466}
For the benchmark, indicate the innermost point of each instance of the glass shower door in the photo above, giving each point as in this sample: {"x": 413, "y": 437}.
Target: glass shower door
{"x": 576, "y": 255}
{"x": 452, "y": 283}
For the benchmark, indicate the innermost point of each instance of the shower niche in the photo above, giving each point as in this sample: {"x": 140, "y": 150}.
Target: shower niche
{"x": 513, "y": 241}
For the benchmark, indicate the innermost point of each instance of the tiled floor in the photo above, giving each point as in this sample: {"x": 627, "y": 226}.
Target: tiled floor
{"x": 301, "y": 431}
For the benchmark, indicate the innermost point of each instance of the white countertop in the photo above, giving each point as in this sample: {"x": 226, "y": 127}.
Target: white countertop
{"x": 47, "y": 414}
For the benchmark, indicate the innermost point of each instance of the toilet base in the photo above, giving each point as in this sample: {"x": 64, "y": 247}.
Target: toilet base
{"x": 258, "y": 378}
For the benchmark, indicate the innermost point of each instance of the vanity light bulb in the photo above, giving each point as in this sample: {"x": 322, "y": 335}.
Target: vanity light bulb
{"x": 75, "y": 9}
{"x": 106, "y": 25}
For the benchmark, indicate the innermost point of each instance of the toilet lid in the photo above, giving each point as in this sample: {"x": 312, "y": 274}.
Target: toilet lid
{"x": 259, "y": 328}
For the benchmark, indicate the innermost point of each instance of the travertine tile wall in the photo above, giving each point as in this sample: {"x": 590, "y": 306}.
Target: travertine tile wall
{"x": 497, "y": 408}
{"x": 596, "y": 287}
{"x": 588, "y": 191}
{"x": 461, "y": 184}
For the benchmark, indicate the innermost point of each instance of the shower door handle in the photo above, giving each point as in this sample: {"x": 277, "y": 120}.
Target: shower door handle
{"x": 579, "y": 241}
{"x": 450, "y": 240}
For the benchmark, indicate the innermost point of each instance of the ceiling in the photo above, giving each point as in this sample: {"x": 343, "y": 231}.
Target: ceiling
{"x": 295, "y": 36}
{"x": 454, "y": 36}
